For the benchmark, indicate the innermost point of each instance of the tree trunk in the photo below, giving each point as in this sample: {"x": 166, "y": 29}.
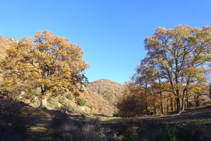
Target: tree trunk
{"x": 167, "y": 105}
{"x": 187, "y": 102}
{"x": 161, "y": 103}
{"x": 172, "y": 108}
{"x": 210, "y": 90}
{"x": 183, "y": 98}
{"x": 147, "y": 110}
{"x": 197, "y": 100}
{"x": 178, "y": 105}
{"x": 183, "y": 103}
{"x": 43, "y": 103}
{"x": 154, "y": 108}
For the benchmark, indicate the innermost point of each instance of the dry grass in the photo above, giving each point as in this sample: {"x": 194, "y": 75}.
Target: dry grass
{"x": 195, "y": 123}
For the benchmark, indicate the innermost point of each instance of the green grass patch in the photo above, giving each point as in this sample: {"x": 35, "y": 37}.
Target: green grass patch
{"x": 82, "y": 102}
{"x": 32, "y": 92}
{"x": 61, "y": 100}
{"x": 69, "y": 96}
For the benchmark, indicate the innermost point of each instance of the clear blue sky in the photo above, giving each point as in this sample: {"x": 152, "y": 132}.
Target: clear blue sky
{"x": 110, "y": 32}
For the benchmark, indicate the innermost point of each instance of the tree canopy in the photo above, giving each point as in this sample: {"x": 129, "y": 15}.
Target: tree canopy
{"x": 179, "y": 58}
{"x": 46, "y": 61}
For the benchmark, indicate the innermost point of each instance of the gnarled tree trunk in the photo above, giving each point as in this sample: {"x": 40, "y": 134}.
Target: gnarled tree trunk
{"x": 43, "y": 103}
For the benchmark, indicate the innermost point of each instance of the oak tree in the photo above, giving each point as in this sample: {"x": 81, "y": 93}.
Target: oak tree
{"x": 181, "y": 55}
{"x": 48, "y": 62}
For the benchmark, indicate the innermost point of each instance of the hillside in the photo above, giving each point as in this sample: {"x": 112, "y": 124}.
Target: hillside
{"x": 101, "y": 97}
{"x": 4, "y": 45}
{"x": 110, "y": 91}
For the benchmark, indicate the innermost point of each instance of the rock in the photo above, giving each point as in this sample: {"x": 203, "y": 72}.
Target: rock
{"x": 59, "y": 105}
{"x": 81, "y": 109}
{"x": 115, "y": 133}
{"x": 107, "y": 129}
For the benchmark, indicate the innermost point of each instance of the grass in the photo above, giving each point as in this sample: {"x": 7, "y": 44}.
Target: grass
{"x": 195, "y": 123}
{"x": 103, "y": 119}
{"x": 32, "y": 92}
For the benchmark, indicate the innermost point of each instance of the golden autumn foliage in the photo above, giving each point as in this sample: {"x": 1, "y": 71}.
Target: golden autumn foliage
{"x": 131, "y": 104}
{"x": 180, "y": 54}
{"x": 47, "y": 61}
{"x": 175, "y": 68}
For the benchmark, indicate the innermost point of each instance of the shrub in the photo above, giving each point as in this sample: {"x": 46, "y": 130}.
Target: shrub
{"x": 129, "y": 135}
{"x": 17, "y": 99}
{"x": 194, "y": 133}
{"x": 190, "y": 104}
{"x": 32, "y": 92}
{"x": 90, "y": 107}
{"x": 83, "y": 117}
{"x": 168, "y": 135}
{"x": 64, "y": 130}
{"x": 91, "y": 131}
{"x": 59, "y": 119}
{"x": 82, "y": 102}
{"x": 60, "y": 126}
{"x": 50, "y": 99}
{"x": 101, "y": 114}
{"x": 116, "y": 114}
{"x": 73, "y": 109}
{"x": 61, "y": 100}
{"x": 65, "y": 107}
{"x": 69, "y": 96}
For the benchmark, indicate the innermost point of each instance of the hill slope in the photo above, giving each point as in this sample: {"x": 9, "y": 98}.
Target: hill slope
{"x": 101, "y": 97}
{"x": 110, "y": 91}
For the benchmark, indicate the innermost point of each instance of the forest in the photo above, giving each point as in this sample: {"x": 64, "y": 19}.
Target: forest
{"x": 172, "y": 79}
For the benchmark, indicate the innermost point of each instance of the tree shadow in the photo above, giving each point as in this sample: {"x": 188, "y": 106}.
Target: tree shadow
{"x": 20, "y": 121}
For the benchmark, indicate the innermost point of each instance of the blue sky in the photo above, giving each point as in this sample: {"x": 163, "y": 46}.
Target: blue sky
{"x": 110, "y": 32}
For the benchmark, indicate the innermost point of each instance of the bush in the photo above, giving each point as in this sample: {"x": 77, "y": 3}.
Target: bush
{"x": 50, "y": 99}
{"x": 73, "y": 109}
{"x": 69, "y": 96}
{"x": 190, "y": 104}
{"x": 65, "y": 107}
{"x": 60, "y": 126}
{"x": 168, "y": 135}
{"x": 59, "y": 119}
{"x": 17, "y": 99}
{"x": 90, "y": 107}
{"x": 129, "y": 135}
{"x": 194, "y": 133}
{"x": 83, "y": 117}
{"x": 62, "y": 129}
{"x": 61, "y": 100}
{"x": 116, "y": 114}
{"x": 32, "y": 92}
{"x": 91, "y": 131}
{"x": 82, "y": 102}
